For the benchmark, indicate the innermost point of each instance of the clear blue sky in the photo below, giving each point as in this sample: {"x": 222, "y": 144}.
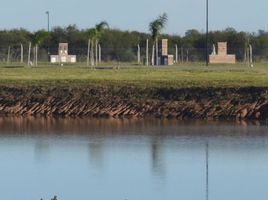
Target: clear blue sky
{"x": 246, "y": 15}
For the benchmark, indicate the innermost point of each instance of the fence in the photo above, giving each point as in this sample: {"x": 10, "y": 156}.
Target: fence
{"x": 134, "y": 55}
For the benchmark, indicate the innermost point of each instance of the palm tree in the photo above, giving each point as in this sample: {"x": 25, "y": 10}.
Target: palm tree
{"x": 92, "y": 34}
{"x": 38, "y": 39}
{"x": 94, "y": 38}
{"x": 155, "y": 28}
{"x": 99, "y": 31}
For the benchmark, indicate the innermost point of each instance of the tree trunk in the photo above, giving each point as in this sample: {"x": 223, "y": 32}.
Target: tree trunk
{"x": 36, "y": 55}
{"x": 250, "y": 56}
{"x": 99, "y": 53}
{"x": 139, "y": 54}
{"x": 96, "y": 53}
{"x": 21, "y": 53}
{"x": 156, "y": 52}
{"x": 29, "y": 54}
{"x": 176, "y": 52}
{"x": 153, "y": 56}
{"x": 92, "y": 54}
{"x": 245, "y": 55}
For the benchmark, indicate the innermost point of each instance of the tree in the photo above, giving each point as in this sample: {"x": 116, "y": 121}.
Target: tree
{"x": 94, "y": 35}
{"x": 38, "y": 39}
{"x": 155, "y": 28}
{"x": 99, "y": 30}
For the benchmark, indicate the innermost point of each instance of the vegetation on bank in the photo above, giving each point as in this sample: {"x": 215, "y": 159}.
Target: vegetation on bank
{"x": 186, "y": 75}
{"x": 122, "y": 45}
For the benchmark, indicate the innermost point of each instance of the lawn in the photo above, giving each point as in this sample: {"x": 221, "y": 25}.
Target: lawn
{"x": 183, "y": 75}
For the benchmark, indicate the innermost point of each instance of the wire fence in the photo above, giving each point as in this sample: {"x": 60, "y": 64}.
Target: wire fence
{"x": 134, "y": 55}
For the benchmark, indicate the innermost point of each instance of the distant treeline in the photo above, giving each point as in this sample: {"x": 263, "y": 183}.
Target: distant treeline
{"x": 118, "y": 44}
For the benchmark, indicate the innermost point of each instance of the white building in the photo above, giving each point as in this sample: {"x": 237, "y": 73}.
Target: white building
{"x": 63, "y": 56}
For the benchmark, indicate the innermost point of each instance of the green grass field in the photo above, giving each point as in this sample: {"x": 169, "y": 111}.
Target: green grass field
{"x": 183, "y": 75}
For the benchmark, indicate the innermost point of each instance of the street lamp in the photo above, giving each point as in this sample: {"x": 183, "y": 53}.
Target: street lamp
{"x": 47, "y": 12}
{"x": 206, "y": 32}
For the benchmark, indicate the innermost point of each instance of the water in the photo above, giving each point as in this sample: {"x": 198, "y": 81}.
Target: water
{"x": 85, "y": 159}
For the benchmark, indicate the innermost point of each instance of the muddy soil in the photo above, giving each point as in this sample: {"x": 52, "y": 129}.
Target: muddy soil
{"x": 133, "y": 102}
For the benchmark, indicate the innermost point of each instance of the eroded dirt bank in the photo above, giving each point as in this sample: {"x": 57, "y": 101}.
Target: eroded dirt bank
{"x": 96, "y": 101}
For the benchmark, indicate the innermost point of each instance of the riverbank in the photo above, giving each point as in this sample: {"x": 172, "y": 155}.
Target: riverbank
{"x": 135, "y": 102}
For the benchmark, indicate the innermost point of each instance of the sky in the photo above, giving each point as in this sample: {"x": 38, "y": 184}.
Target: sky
{"x": 243, "y": 15}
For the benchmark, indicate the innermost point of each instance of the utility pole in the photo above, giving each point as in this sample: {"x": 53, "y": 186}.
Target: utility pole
{"x": 48, "y": 30}
{"x": 206, "y": 32}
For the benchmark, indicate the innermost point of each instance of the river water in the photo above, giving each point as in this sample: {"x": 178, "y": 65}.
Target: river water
{"x": 90, "y": 159}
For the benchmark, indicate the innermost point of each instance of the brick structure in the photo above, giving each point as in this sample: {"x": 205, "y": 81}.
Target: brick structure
{"x": 222, "y": 56}
{"x": 163, "y": 57}
{"x": 63, "y": 56}
{"x": 163, "y": 47}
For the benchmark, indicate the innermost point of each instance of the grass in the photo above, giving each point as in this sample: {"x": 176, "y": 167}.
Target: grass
{"x": 183, "y": 75}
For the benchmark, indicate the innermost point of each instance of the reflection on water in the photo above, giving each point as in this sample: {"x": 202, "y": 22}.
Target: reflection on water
{"x": 157, "y": 158}
{"x": 74, "y": 126}
{"x": 132, "y": 159}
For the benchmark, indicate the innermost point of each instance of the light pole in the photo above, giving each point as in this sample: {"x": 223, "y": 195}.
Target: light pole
{"x": 47, "y": 12}
{"x": 206, "y": 32}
